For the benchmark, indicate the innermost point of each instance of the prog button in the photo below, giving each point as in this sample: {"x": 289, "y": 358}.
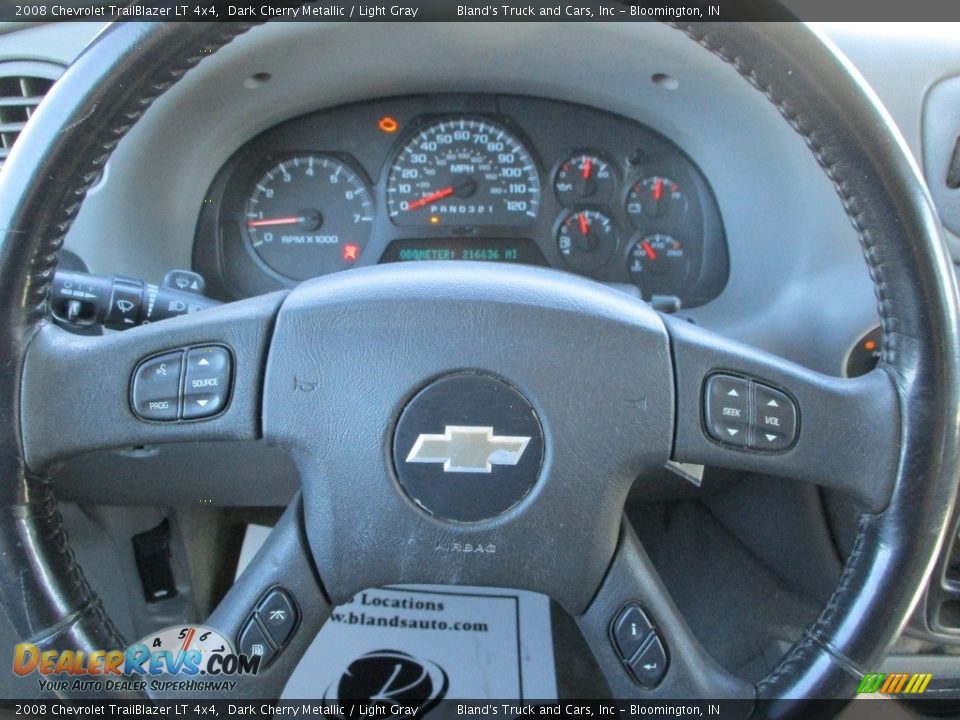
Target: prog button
{"x": 156, "y": 387}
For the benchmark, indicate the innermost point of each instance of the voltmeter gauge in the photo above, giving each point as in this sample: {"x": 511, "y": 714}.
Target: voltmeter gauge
{"x": 658, "y": 265}
{"x": 655, "y": 197}
{"x": 584, "y": 178}
{"x": 587, "y": 239}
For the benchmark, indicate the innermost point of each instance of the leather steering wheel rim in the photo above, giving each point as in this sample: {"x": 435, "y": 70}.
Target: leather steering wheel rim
{"x": 117, "y": 78}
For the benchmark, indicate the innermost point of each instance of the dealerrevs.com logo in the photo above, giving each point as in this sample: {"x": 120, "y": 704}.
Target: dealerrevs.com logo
{"x": 180, "y": 658}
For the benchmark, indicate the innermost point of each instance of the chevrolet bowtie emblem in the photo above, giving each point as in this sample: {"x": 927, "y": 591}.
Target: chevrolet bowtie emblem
{"x": 468, "y": 449}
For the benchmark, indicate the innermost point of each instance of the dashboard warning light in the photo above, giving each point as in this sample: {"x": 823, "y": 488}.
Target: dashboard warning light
{"x": 388, "y": 124}
{"x": 351, "y": 252}
{"x": 434, "y": 219}
{"x": 870, "y": 345}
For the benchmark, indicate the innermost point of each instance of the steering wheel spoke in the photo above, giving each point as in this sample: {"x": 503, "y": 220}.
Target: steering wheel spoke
{"x": 275, "y": 608}
{"x": 741, "y": 408}
{"x": 193, "y": 378}
{"x": 643, "y": 645}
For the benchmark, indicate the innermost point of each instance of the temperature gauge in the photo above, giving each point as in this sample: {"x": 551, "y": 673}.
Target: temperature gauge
{"x": 655, "y": 196}
{"x": 658, "y": 265}
{"x": 584, "y": 178}
{"x": 586, "y": 239}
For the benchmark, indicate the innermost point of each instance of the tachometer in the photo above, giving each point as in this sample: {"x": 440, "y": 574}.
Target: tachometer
{"x": 309, "y": 215}
{"x": 464, "y": 171}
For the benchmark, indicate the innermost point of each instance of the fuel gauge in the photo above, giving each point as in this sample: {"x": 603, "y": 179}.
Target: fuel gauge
{"x": 586, "y": 239}
{"x": 584, "y": 178}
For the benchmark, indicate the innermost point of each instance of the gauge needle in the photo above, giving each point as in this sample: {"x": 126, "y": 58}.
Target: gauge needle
{"x": 587, "y": 167}
{"x": 649, "y": 251}
{"x": 658, "y": 189}
{"x": 432, "y": 197}
{"x": 188, "y": 640}
{"x": 291, "y": 220}
{"x": 584, "y": 227}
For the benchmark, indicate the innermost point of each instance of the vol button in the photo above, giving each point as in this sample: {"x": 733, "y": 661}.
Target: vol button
{"x": 775, "y": 427}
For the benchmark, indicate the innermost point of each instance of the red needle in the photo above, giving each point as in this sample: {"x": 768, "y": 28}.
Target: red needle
{"x": 292, "y": 220}
{"x": 188, "y": 640}
{"x": 587, "y": 167}
{"x": 648, "y": 249}
{"x": 584, "y": 227}
{"x": 432, "y": 197}
{"x": 658, "y": 189}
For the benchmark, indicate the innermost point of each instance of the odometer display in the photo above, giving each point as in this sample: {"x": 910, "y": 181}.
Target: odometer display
{"x": 463, "y": 172}
{"x": 519, "y": 250}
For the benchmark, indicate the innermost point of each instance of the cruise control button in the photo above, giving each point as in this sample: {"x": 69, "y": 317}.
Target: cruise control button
{"x": 278, "y": 615}
{"x": 727, "y": 409}
{"x": 252, "y": 641}
{"x": 650, "y": 664}
{"x": 630, "y": 631}
{"x": 775, "y": 419}
{"x": 156, "y": 387}
{"x": 207, "y": 382}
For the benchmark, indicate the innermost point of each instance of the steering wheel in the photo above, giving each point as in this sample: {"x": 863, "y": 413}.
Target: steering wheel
{"x": 440, "y": 425}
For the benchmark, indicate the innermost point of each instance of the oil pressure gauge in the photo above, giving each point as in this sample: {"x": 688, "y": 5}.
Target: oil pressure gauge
{"x": 584, "y": 178}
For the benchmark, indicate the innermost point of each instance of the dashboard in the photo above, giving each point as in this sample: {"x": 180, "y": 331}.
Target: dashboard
{"x": 471, "y": 177}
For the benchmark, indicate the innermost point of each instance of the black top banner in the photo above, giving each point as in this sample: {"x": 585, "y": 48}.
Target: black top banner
{"x": 480, "y": 11}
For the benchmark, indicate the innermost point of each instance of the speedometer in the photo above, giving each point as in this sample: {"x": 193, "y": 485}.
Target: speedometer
{"x": 463, "y": 171}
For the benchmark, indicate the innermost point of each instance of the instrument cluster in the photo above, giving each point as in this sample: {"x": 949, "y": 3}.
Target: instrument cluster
{"x": 475, "y": 178}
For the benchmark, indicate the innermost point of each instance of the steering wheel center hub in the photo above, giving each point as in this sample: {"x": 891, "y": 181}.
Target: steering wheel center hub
{"x": 468, "y": 447}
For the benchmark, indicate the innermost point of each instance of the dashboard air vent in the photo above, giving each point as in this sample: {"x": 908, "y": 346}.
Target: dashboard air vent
{"x": 22, "y": 86}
